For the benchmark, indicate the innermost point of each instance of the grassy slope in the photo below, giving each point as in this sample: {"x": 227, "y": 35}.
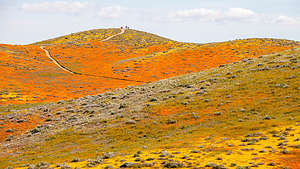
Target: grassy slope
{"x": 179, "y": 114}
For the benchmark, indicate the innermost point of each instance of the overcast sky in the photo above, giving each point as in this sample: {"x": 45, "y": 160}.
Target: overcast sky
{"x": 28, "y": 21}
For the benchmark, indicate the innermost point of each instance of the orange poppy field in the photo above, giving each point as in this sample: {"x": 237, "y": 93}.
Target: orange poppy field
{"x": 111, "y": 98}
{"x": 30, "y": 77}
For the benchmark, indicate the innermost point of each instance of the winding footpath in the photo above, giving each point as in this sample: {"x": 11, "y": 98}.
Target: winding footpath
{"x": 122, "y": 31}
{"x": 56, "y": 62}
{"x": 77, "y": 73}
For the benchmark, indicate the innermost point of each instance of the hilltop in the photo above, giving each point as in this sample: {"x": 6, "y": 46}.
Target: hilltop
{"x": 129, "y": 38}
{"x": 242, "y": 114}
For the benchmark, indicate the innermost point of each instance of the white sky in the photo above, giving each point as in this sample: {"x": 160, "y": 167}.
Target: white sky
{"x": 28, "y": 21}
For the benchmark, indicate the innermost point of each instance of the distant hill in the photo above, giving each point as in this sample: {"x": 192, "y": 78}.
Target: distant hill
{"x": 130, "y": 38}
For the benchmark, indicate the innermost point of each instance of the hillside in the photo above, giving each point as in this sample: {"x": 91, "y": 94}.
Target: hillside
{"x": 129, "y": 59}
{"x": 110, "y": 98}
{"x": 242, "y": 114}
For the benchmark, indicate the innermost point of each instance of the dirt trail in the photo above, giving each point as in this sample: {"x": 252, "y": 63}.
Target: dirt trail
{"x": 56, "y": 62}
{"x": 122, "y": 31}
{"x": 77, "y": 73}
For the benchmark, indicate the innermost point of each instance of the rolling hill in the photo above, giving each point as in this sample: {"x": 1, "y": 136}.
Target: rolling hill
{"x": 138, "y": 100}
{"x": 31, "y": 77}
{"x": 241, "y": 114}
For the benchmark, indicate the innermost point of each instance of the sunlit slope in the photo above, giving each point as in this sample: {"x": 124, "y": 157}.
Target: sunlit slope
{"x": 25, "y": 72}
{"x": 156, "y": 62}
{"x": 243, "y": 114}
{"x": 29, "y": 76}
{"x": 136, "y": 57}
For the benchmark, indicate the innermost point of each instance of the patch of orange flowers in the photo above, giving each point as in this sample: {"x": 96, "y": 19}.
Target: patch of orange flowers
{"x": 16, "y": 127}
{"x": 29, "y": 76}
